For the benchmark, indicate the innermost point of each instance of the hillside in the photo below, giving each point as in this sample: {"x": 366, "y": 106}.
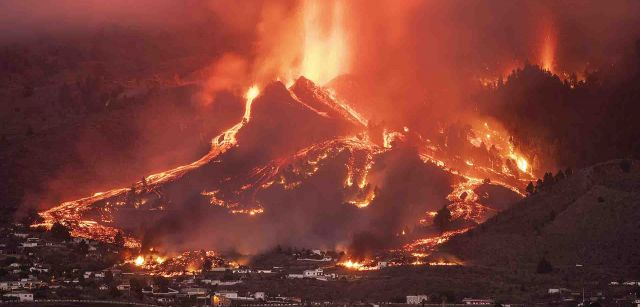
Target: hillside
{"x": 592, "y": 217}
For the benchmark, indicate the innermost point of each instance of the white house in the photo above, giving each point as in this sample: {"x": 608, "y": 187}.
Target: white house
{"x": 217, "y": 282}
{"x": 259, "y": 296}
{"x": 478, "y": 301}
{"x": 22, "y": 296}
{"x": 194, "y": 291}
{"x": 295, "y": 276}
{"x": 31, "y": 242}
{"x": 313, "y": 273}
{"x": 417, "y": 299}
{"x": 38, "y": 268}
{"x": 123, "y": 287}
{"x": 227, "y": 294}
{"x": 10, "y": 285}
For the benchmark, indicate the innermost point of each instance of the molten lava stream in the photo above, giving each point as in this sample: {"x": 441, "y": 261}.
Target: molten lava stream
{"x": 71, "y": 211}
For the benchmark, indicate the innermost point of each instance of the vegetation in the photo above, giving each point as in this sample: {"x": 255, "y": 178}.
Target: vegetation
{"x": 561, "y": 120}
{"x": 544, "y": 266}
{"x": 576, "y": 221}
{"x": 60, "y": 232}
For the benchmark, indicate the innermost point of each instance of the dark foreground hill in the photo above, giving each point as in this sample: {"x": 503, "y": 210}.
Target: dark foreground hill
{"x": 592, "y": 217}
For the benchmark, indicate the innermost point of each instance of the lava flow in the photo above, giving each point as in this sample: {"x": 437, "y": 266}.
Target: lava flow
{"x": 71, "y": 212}
{"x": 330, "y": 158}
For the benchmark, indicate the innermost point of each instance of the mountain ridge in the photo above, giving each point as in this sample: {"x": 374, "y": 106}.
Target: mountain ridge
{"x": 592, "y": 217}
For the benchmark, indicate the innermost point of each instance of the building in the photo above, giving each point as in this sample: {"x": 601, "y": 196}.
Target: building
{"x": 223, "y": 298}
{"x": 22, "y": 296}
{"x": 313, "y": 273}
{"x": 478, "y": 301}
{"x": 227, "y": 294}
{"x": 123, "y": 287}
{"x": 31, "y": 242}
{"x": 216, "y": 282}
{"x": 194, "y": 291}
{"x": 220, "y": 301}
{"x": 417, "y": 299}
{"x": 24, "y": 283}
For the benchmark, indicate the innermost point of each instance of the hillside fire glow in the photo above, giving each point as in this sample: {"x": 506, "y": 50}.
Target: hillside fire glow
{"x": 345, "y": 131}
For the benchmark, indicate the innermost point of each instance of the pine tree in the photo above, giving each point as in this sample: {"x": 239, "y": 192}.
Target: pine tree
{"x": 530, "y": 188}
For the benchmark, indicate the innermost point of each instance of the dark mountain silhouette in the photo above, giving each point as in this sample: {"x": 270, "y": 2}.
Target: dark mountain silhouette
{"x": 592, "y": 217}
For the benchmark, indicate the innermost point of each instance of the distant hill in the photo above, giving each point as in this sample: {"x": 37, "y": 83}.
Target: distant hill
{"x": 591, "y": 217}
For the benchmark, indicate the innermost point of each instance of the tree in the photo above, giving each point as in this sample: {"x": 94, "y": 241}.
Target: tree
{"x": 136, "y": 286}
{"x": 60, "y": 232}
{"x": 83, "y": 247}
{"x": 568, "y": 172}
{"x": 31, "y": 217}
{"x": 559, "y": 176}
{"x": 530, "y": 188}
{"x": 547, "y": 180}
{"x": 539, "y": 185}
{"x": 162, "y": 283}
{"x": 442, "y": 219}
{"x": 108, "y": 277}
{"x": 544, "y": 266}
{"x": 114, "y": 292}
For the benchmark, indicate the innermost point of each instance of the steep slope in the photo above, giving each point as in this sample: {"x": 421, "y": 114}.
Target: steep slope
{"x": 592, "y": 217}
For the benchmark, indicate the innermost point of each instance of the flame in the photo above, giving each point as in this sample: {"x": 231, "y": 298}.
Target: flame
{"x": 547, "y": 54}
{"x": 358, "y": 266}
{"x": 325, "y": 43}
{"x": 251, "y": 94}
{"x": 522, "y": 163}
{"x": 139, "y": 261}
{"x": 160, "y": 260}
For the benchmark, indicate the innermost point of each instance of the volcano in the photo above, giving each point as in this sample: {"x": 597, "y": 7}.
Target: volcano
{"x": 301, "y": 168}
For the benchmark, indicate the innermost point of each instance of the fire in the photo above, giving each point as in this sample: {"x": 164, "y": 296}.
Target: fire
{"x": 441, "y": 262}
{"x": 325, "y": 44}
{"x": 139, "y": 261}
{"x": 251, "y": 94}
{"x": 160, "y": 260}
{"x": 547, "y": 54}
{"x": 353, "y": 265}
{"x": 522, "y": 163}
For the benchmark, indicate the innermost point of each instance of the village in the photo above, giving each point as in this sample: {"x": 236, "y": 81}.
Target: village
{"x": 41, "y": 266}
